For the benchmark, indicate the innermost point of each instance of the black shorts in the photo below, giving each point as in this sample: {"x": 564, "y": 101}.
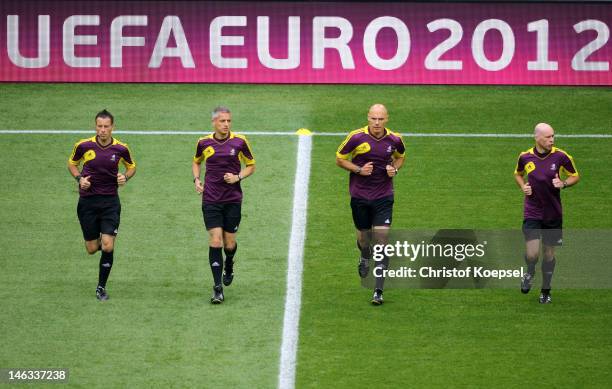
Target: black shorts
{"x": 99, "y": 215}
{"x": 550, "y": 231}
{"x": 370, "y": 213}
{"x": 226, "y": 215}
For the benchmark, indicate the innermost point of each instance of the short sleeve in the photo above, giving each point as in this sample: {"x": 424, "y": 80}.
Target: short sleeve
{"x": 346, "y": 148}
{"x": 127, "y": 159}
{"x": 400, "y": 149}
{"x": 567, "y": 165}
{"x": 77, "y": 154}
{"x": 246, "y": 153}
{"x": 520, "y": 166}
{"x": 199, "y": 155}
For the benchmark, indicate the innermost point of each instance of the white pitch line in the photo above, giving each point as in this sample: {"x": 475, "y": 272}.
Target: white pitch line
{"x": 132, "y": 132}
{"x": 290, "y": 133}
{"x": 472, "y": 135}
{"x": 293, "y": 299}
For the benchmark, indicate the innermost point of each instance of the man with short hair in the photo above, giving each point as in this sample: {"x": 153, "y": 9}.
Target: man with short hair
{"x": 373, "y": 155}
{"x": 99, "y": 208}
{"x": 222, "y": 152}
{"x": 543, "y": 215}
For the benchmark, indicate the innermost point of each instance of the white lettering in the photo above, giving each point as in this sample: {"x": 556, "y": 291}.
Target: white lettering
{"x": 433, "y": 61}
{"x": 340, "y": 44}
{"x": 118, "y": 41}
{"x": 171, "y": 25}
{"x": 403, "y": 43}
{"x": 12, "y": 30}
{"x": 579, "y": 62}
{"x": 71, "y": 40}
{"x": 293, "y": 44}
{"x": 217, "y": 41}
{"x": 478, "y": 44}
{"x": 542, "y": 63}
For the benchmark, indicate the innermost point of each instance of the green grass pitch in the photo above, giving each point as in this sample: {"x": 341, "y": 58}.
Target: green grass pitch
{"x": 158, "y": 329}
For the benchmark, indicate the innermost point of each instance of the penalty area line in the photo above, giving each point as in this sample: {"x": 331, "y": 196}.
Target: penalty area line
{"x": 295, "y": 265}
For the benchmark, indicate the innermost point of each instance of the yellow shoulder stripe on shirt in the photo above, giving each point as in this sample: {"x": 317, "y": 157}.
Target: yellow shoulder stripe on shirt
{"x": 122, "y": 160}
{"x": 516, "y": 171}
{"x": 396, "y": 154}
{"x": 241, "y": 156}
{"x": 564, "y": 170}
{"x": 202, "y": 157}
{"x": 74, "y": 149}
{"x": 347, "y": 139}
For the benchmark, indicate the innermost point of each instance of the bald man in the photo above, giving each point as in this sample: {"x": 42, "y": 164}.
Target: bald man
{"x": 541, "y": 173}
{"x": 373, "y": 155}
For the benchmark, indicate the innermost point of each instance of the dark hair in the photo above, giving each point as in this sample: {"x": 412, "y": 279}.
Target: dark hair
{"x": 105, "y": 114}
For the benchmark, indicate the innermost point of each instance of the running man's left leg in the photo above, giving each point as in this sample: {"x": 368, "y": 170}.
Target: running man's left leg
{"x": 363, "y": 213}
{"x": 232, "y": 214}
{"x": 381, "y": 221}
{"x": 106, "y": 259}
{"x": 532, "y": 231}
{"x": 380, "y": 236}
{"x": 552, "y": 236}
{"x": 110, "y": 218}
{"x": 213, "y": 220}
{"x": 230, "y": 246}
{"x": 548, "y": 268}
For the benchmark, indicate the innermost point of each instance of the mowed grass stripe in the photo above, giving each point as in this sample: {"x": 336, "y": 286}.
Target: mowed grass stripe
{"x": 323, "y": 108}
{"x": 441, "y": 338}
{"x": 158, "y": 328}
{"x": 337, "y": 352}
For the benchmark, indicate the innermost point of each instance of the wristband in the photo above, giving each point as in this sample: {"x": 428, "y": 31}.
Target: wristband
{"x": 78, "y": 178}
{"x": 239, "y": 177}
{"x": 396, "y": 170}
{"x": 358, "y": 170}
{"x": 564, "y": 184}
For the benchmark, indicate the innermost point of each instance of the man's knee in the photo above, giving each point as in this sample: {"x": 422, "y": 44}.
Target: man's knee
{"x": 229, "y": 240}
{"x": 108, "y": 243}
{"x": 215, "y": 242}
{"x": 363, "y": 237}
{"x": 92, "y": 246}
{"x": 381, "y": 234}
{"x": 215, "y": 237}
{"x": 549, "y": 253}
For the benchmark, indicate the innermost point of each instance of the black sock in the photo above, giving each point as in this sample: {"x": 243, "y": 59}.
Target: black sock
{"x": 216, "y": 263}
{"x": 379, "y": 281}
{"x": 106, "y": 264}
{"x": 366, "y": 252}
{"x": 530, "y": 266}
{"x": 548, "y": 268}
{"x": 229, "y": 259}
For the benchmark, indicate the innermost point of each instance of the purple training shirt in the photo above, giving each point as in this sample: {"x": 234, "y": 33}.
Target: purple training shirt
{"x": 361, "y": 147}
{"x": 101, "y": 164}
{"x": 545, "y": 200}
{"x": 222, "y": 157}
